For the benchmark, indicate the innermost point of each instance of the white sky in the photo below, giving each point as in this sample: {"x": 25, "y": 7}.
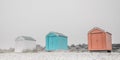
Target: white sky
{"x": 73, "y": 18}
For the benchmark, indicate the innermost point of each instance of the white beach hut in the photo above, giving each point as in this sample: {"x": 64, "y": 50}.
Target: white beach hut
{"x": 24, "y": 43}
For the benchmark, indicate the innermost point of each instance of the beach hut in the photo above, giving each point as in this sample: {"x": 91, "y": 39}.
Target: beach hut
{"x": 23, "y": 43}
{"x": 56, "y": 41}
{"x": 99, "y": 40}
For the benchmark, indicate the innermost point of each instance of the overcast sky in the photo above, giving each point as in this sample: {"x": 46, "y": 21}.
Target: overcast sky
{"x": 74, "y": 18}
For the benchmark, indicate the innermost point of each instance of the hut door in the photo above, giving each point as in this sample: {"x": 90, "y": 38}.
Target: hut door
{"x": 100, "y": 41}
{"x": 51, "y": 46}
{"x": 52, "y": 42}
{"x": 96, "y": 41}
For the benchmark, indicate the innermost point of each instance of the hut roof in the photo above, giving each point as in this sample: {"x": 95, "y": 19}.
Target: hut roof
{"x": 26, "y": 38}
{"x": 109, "y": 33}
{"x": 96, "y": 28}
{"x": 55, "y": 34}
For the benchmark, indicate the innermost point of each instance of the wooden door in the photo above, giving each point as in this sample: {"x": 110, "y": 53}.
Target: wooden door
{"x": 52, "y": 43}
{"x": 100, "y": 41}
{"x": 97, "y": 41}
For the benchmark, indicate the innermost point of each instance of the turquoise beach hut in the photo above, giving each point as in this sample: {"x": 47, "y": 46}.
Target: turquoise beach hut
{"x": 56, "y": 41}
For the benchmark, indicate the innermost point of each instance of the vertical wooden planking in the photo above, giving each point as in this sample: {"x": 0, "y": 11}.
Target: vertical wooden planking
{"x": 98, "y": 39}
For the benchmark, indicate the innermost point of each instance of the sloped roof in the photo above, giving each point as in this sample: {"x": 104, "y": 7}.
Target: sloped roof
{"x": 96, "y": 28}
{"x": 55, "y": 34}
{"x": 109, "y": 33}
{"x": 26, "y": 38}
